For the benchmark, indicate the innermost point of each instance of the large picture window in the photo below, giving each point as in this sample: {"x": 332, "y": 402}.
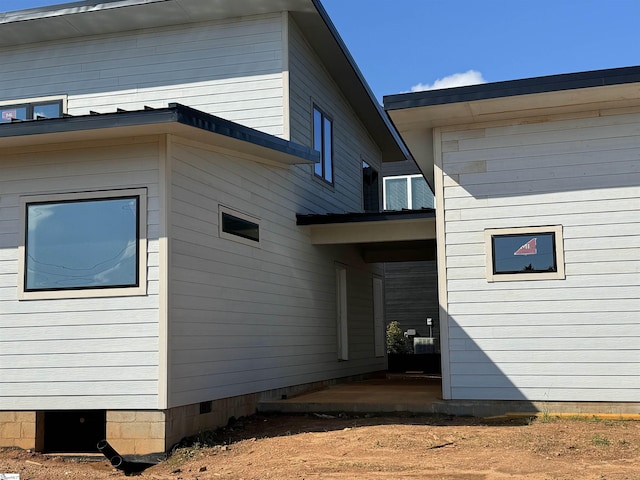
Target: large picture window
{"x": 323, "y": 143}
{"x": 91, "y": 242}
{"x": 524, "y": 253}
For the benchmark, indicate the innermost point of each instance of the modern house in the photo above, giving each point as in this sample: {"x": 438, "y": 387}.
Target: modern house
{"x": 537, "y": 185}
{"x": 191, "y": 220}
{"x": 159, "y": 164}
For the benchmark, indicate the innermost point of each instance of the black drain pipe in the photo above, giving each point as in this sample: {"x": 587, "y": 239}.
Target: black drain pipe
{"x": 120, "y": 463}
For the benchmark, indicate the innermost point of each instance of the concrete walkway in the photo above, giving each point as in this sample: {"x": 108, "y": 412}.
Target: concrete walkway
{"x": 422, "y": 394}
{"x": 392, "y": 394}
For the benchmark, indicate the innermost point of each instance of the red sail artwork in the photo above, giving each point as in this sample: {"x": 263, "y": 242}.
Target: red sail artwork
{"x": 528, "y": 248}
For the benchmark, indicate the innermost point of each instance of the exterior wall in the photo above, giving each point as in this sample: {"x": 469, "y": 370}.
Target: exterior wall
{"x": 549, "y": 340}
{"x": 411, "y": 296}
{"x": 310, "y": 83}
{"x": 232, "y": 69}
{"x": 81, "y": 353}
{"x": 249, "y": 318}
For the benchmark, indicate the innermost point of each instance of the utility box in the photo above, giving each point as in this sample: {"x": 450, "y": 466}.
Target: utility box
{"x": 424, "y": 345}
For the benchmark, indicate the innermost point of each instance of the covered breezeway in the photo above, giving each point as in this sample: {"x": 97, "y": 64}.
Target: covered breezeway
{"x": 381, "y": 237}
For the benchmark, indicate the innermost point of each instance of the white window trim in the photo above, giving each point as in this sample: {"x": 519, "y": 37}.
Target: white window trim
{"x": 409, "y": 188}
{"x": 141, "y": 289}
{"x": 230, "y": 236}
{"x": 559, "y": 274}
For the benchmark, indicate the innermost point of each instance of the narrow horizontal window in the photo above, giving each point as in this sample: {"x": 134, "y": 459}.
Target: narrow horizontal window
{"x": 524, "y": 253}
{"x": 31, "y": 111}
{"x": 84, "y": 242}
{"x": 239, "y": 226}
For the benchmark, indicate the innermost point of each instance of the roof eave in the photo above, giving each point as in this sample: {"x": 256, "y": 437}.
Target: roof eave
{"x": 175, "y": 120}
{"x": 525, "y": 98}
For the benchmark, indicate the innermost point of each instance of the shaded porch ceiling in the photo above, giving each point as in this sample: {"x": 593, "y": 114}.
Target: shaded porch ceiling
{"x": 394, "y": 236}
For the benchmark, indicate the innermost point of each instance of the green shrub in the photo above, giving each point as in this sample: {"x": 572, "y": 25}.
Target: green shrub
{"x": 396, "y": 341}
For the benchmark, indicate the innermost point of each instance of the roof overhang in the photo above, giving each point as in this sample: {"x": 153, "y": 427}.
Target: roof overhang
{"x": 98, "y": 17}
{"x": 407, "y": 235}
{"x": 175, "y": 120}
{"x": 415, "y": 115}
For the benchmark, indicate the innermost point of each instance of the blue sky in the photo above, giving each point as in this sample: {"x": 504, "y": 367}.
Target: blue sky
{"x": 401, "y": 44}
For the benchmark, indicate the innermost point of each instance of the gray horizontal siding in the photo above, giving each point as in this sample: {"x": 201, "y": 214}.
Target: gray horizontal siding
{"x": 411, "y": 296}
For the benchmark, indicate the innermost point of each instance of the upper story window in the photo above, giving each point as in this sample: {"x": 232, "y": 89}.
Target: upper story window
{"x": 31, "y": 110}
{"x": 407, "y": 192}
{"x": 370, "y": 190}
{"x": 323, "y": 143}
{"x": 83, "y": 244}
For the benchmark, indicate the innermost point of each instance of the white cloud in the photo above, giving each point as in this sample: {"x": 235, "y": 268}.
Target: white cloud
{"x": 470, "y": 77}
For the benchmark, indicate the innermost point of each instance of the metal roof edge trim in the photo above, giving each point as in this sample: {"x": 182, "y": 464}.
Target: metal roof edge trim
{"x": 175, "y": 113}
{"x": 380, "y": 110}
{"x": 512, "y": 88}
{"x": 359, "y": 217}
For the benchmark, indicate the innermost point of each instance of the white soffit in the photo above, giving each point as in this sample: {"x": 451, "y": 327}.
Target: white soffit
{"x": 520, "y": 107}
{"x": 76, "y": 19}
{"x": 373, "y": 232}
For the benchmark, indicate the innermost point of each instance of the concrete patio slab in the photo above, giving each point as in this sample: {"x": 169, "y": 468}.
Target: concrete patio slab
{"x": 390, "y": 394}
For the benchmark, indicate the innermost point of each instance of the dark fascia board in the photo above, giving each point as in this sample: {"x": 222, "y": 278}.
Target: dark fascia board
{"x": 211, "y": 123}
{"x": 359, "y": 217}
{"x": 385, "y": 133}
{"x": 511, "y": 88}
{"x": 175, "y": 113}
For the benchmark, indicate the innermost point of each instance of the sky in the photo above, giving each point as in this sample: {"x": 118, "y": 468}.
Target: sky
{"x": 410, "y": 45}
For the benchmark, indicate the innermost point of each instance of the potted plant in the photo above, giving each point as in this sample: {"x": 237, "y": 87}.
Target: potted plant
{"x": 398, "y": 348}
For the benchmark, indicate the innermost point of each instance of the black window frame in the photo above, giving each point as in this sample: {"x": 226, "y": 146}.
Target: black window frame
{"x": 523, "y": 237}
{"x": 370, "y": 188}
{"x": 134, "y": 284}
{"x": 227, "y": 226}
{"x": 30, "y": 109}
{"x": 127, "y": 287}
{"x": 239, "y": 235}
{"x": 326, "y": 158}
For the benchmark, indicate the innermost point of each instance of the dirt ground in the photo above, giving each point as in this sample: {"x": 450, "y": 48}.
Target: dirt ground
{"x": 377, "y": 447}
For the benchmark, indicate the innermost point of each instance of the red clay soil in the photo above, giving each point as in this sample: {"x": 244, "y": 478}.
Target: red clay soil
{"x": 381, "y": 447}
